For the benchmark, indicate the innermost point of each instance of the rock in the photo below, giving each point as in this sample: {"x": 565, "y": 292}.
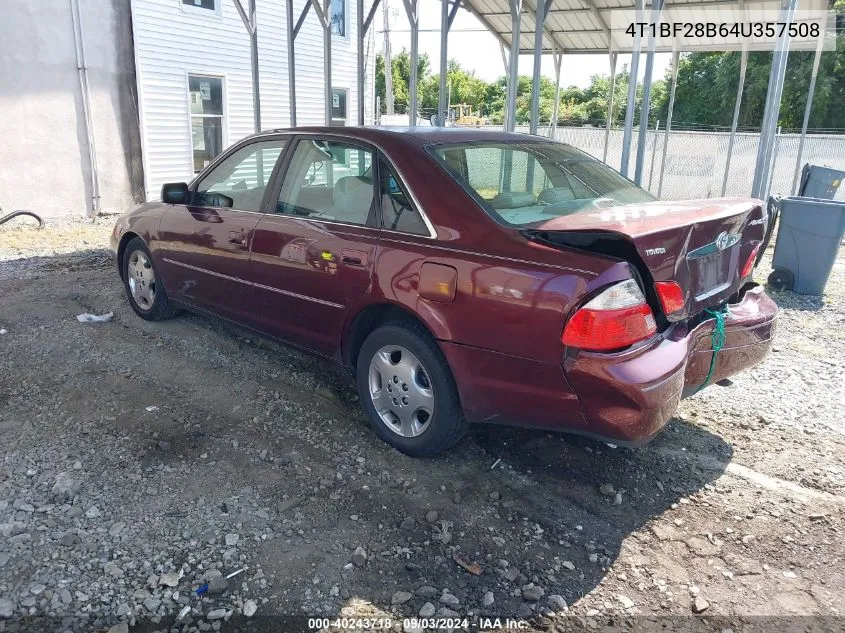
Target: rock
{"x": 122, "y": 610}
{"x": 700, "y": 605}
{"x": 495, "y": 496}
{"x": 250, "y": 607}
{"x": 532, "y": 593}
{"x": 170, "y": 579}
{"x": 427, "y": 592}
{"x": 68, "y": 539}
{"x": 232, "y": 540}
{"x": 593, "y": 558}
{"x": 607, "y": 490}
{"x": 625, "y": 601}
{"x": 450, "y": 599}
{"x": 217, "y": 585}
{"x": 407, "y": 524}
{"x": 525, "y": 611}
{"x": 617, "y": 500}
{"x": 116, "y": 528}
{"x": 568, "y": 564}
{"x": 65, "y": 487}
{"x": 431, "y": 516}
{"x": 400, "y": 597}
{"x": 113, "y": 570}
{"x": 445, "y": 612}
{"x": 427, "y": 610}
{"x": 498, "y": 541}
{"x": 65, "y": 596}
{"x": 488, "y": 599}
{"x": 120, "y": 627}
{"x": 511, "y": 573}
{"x": 7, "y": 608}
{"x": 557, "y": 603}
{"x": 152, "y": 604}
{"x": 217, "y": 614}
{"x": 359, "y": 557}
{"x": 37, "y": 589}
{"x": 20, "y": 504}
{"x": 93, "y": 512}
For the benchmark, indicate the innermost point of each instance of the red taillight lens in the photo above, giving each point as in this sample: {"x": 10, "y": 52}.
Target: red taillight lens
{"x": 671, "y": 295}
{"x": 616, "y": 318}
{"x": 749, "y": 264}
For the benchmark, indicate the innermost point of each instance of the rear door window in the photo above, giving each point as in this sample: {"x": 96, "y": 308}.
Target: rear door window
{"x": 330, "y": 180}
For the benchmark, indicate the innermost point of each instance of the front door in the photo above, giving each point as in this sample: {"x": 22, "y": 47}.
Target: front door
{"x": 205, "y": 251}
{"x": 312, "y": 259}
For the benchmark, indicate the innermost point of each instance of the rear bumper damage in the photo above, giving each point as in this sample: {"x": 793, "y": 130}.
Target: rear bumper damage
{"x": 628, "y": 397}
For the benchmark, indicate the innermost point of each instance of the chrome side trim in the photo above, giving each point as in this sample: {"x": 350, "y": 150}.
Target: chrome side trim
{"x": 207, "y": 272}
{"x": 295, "y": 295}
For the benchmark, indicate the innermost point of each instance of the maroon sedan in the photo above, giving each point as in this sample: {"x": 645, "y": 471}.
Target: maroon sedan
{"x": 462, "y": 276}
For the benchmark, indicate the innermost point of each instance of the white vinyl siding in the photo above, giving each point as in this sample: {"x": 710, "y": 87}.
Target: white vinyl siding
{"x": 173, "y": 41}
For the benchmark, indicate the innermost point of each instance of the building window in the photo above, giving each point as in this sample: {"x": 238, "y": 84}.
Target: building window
{"x": 206, "y": 94}
{"x": 337, "y": 17}
{"x": 211, "y": 5}
{"x": 339, "y": 99}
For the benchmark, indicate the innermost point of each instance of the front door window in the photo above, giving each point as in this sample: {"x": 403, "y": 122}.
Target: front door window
{"x": 240, "y": 180}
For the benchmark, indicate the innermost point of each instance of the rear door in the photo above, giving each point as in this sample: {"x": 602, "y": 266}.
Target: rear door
{"x": 313, "y": 253}
{"x": 204, "y": 246}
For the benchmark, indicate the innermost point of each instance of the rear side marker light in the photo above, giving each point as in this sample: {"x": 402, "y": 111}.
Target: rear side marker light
{"x": 616, "y": 318}
{"x": 749, "y": 264}
{"x": 671, "y": 296}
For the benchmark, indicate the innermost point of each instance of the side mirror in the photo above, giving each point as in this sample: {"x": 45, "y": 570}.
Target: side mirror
{"x": 174, "y": 193}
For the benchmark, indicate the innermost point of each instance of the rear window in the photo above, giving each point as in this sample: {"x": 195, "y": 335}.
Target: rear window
{"x": 524, "y": 183}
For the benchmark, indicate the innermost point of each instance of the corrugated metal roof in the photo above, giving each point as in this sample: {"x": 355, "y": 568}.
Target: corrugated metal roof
{"x": 583, "y": 26}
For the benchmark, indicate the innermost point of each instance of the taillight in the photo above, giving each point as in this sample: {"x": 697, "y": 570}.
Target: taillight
{"x": 671, "y": 295}
{"x": 616, "y": 318}
{"x": 749, "y": 264}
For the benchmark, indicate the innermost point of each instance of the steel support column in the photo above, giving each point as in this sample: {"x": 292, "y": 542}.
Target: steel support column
{"x": 388, "y": 63}
{"x": 291, "y": 62}
{"x": 610, "y": 95}
{"x": 513, "y": 64}
{"x": 363, "y": 28}
{"x": 676, "y": 57}
{"x": 810, "y": 94}
{"x": 656, "y": 8}
{"x": 325, "y": 21}
{"x": 85, "y": 93}
{"x": 743, "y": 66}
{"x": 443, "y": 101}
{"x": 412, "y": 9}
{"x": 539, "y": 28}
{"x": 558, "y": 58}
{"x": 763, "y": 167}
{"x": 251, "y": 23}
{"x": 632, "y": 94}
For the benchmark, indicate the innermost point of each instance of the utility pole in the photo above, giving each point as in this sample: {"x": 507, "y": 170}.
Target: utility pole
{"x": 388, "y": 63}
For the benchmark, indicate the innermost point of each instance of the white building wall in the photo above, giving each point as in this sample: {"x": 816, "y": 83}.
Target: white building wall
{"x": 172, "y": 41}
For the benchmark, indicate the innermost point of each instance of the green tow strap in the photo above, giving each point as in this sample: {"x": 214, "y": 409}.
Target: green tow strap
{"x": 718, "y": 341}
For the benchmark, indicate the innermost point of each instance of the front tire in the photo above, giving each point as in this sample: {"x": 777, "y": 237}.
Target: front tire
{"x": 407, "y": 390}
{"x": 143, "y": 285}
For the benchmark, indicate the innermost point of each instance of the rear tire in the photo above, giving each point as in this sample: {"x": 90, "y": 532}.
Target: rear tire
{"x": 407, "y": 390}
{"x": 144, "y": 286}
{"x": 781, "y": 279}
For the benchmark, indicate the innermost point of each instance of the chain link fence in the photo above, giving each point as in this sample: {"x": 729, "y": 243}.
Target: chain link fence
{"x": 694, "y": 166}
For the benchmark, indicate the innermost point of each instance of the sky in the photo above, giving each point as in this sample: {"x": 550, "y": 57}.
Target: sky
{"x": 477, "y": 49}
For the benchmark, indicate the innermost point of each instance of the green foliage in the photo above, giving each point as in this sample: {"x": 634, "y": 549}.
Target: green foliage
{"x": 705, "y": 96}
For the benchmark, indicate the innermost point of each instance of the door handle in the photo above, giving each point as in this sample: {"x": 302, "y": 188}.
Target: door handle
{"x": 354, "y": 258}
{"x": 237, "y": 237}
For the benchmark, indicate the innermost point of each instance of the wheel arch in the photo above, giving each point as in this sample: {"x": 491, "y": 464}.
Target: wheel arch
{"x": 366, "y": 320}
{"x": 121, "y": 248}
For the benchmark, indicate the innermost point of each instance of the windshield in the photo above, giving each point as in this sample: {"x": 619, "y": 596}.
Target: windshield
{"x": 525, "y": 183}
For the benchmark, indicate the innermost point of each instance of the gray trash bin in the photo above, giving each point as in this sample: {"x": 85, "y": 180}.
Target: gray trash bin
{"x": 819, "y": 182}
{"x": 807, "y": 243}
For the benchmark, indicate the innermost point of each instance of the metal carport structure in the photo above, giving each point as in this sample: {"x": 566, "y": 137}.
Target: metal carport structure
{"x": 569, "y": 27}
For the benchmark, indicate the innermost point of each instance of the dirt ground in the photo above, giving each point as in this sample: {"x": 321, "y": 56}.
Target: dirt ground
{"x": 131, "y": 450}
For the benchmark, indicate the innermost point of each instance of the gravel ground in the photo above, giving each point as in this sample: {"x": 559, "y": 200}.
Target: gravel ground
{"x": 140, "y": 461}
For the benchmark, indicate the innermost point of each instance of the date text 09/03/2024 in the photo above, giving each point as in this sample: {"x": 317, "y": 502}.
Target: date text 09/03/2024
{"x": 386, "y": 624}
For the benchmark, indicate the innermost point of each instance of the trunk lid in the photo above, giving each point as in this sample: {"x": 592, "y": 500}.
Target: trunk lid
{"x": 700, "y": 244}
